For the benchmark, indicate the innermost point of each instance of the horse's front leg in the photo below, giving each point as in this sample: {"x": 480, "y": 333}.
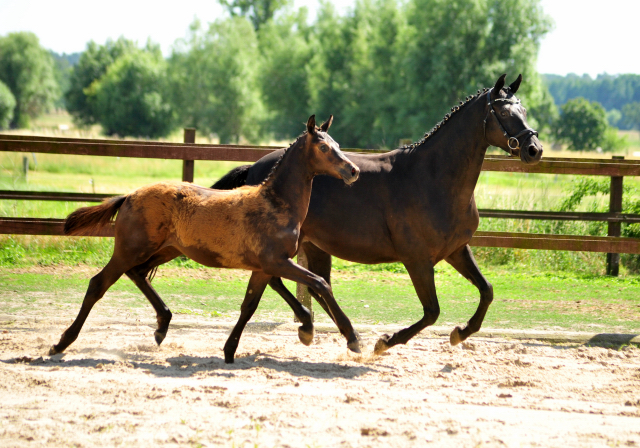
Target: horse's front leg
{"x": 292, "y": 271}
{"x": 463, "y": 262}
{"x": 257, "y": 283}
{"x": 422, "y": 276}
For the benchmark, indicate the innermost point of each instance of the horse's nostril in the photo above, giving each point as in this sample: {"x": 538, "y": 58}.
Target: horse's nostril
{"x": 533, "y": 151}
{"x": 353, "y": 171}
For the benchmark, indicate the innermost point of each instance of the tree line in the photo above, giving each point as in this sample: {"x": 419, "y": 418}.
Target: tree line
{"x": 387, "y": 70}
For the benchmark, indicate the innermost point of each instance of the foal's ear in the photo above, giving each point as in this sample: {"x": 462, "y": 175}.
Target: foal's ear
{"x": 311, "y": 125}
{"x": 515, "y": 84}
{"x": 327, "y": 124}
{"x": 499, "y": 85}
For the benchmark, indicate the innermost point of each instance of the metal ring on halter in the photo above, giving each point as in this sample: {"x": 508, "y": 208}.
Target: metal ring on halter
{"x": 517, "y": 145}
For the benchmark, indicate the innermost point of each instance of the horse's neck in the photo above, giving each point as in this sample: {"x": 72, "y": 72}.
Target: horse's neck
{"x": 453, "y": 155}
{"x": 290, "y": 183}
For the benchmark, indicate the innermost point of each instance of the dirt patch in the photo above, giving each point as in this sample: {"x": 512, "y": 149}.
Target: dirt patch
{"x": 114, "y": 386}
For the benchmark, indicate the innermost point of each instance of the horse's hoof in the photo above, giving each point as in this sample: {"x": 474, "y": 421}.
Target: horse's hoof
{"x": 354, "y": 346}
{"x": 455, "y": 337}
{"x": 382, "y": 345}
{"x": 306, "y": 337}
{"x": 54, "y": 351}
{"x": 229, "y": 359}
{"x": 159, "y": 336}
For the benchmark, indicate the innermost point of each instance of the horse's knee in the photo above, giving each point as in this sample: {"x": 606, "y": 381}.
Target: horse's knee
{"x": 486, "y": 293}
{"x": 431, "y": 314}
{"x": 321, "y": 286}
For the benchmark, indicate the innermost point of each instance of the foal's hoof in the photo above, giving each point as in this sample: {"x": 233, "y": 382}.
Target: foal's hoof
{"x": 382, "y": 345}
{"x": 354, "y": 346}
{"x": 53, "y": 351}
{"x": 455, "y": 337}
{"x": 159, "y": 336}
{"x": 306, "y": 336}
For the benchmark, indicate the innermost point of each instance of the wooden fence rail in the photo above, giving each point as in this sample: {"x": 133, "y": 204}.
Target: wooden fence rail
{"x": 189, "y": 152}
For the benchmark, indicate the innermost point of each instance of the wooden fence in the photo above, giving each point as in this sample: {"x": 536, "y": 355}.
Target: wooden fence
{"x": 189, "y": 152}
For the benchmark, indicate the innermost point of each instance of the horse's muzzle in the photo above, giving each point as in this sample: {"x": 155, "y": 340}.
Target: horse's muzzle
{"x": 350, "y": 173}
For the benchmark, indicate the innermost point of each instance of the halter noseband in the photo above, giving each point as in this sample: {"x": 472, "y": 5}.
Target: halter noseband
{"x": 513, "y": 142}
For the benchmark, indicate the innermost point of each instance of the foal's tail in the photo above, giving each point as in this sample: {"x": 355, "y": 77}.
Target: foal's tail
{"x": 235, "y": 178}
{"x": 87, "y": 221}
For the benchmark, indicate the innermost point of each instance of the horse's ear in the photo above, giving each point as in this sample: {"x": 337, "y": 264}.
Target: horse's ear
{"x": 514, "y": 86}
{"x": 311, "y": 125}
{"x": 499, "y": 85}
{"x": 327, "y": 124}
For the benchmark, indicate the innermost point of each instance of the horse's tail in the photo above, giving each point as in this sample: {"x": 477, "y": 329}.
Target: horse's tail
{"x": 235, "y": 178}
{"x": 87, "y": 220}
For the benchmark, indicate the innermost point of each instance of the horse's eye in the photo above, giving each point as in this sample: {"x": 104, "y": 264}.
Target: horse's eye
{"x": 503, "y": 113}
{"x": 324, "y": 147}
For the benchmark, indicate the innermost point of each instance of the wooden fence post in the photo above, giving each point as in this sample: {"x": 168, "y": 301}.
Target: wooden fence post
{"x": 615, "y": 206}
{"x": 302, "y": 294}
{"x": 188, "y": 165}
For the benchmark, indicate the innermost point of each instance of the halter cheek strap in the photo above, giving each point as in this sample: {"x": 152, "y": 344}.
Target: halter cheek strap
{"x": 513, "y": 142}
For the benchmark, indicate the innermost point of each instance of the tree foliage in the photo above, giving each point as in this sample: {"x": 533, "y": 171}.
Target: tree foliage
{"x": 631, "y": 115}
{"x": 129, "y": 99}
{"x": 27, "y": 70}
{"x": 214, "y": 80}
{"x": 259, "y": 12}
{"x": 91, "y": 66}
{"x": 7, "y": 105}
{"x": 582, "y": 125}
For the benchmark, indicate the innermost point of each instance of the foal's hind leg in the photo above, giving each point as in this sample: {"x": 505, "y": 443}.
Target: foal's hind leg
{"x": 139, "y": 276}
{"x": 422, "y": 276}
{"x": 98, "y": 285}
{"x": 306, "y": 330}
{"x": 462, "y": 260}
{"x": 257, "y": 283}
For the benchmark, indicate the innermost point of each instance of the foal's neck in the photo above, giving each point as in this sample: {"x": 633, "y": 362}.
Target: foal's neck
{"x": 289, "y": 185}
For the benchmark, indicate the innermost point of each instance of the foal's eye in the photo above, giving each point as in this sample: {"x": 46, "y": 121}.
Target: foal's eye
{"x": 324, "y": 147}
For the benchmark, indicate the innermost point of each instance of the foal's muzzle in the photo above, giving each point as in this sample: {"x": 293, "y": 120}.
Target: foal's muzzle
{"x": 349, "y": 173}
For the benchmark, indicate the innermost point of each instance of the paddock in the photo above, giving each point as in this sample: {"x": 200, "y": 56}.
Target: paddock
{"x": 115, "y": 387}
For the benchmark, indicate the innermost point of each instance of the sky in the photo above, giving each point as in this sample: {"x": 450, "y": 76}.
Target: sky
{"x": 589, "y": 36}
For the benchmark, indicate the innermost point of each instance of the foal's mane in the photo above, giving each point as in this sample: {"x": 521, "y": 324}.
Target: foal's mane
{"x": 269, "y": 177}
{"x": 442, "y": 122}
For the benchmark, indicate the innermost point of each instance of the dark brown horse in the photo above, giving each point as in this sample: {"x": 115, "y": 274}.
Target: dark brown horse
{"x": 414, "y": 204}
{"x": 253, "y": 228}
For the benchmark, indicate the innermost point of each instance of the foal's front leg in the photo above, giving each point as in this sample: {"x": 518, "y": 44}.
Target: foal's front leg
{"x": 292, "y": 271}
{"x": 257, "y": 283}
{"x": 463, "y": 262}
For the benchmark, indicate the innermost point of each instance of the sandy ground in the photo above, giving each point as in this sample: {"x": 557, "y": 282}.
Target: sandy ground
{"x": 115, "y": 387}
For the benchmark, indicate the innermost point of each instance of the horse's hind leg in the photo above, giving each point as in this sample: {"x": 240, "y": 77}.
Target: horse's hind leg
{"x": 257, "y": 283}
{"x": 320, "y": 264}
{"x": 139, "y": 276}
{"x": 422, "y": 276}
{"x": 98, "y": 285}
{"x": 306, "y": 330}
{"x": 463, "y": 262}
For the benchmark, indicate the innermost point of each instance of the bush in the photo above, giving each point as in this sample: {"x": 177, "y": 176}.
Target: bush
{"x": 7, "y": 106}
{"x": 582, "y": 125}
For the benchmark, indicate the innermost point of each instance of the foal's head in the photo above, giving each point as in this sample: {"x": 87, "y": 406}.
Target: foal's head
{"x": 325, "y": 156}
{"x": 506, "y": 123}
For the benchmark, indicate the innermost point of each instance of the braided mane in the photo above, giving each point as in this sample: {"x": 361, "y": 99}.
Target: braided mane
{"x": 439, "y": 125}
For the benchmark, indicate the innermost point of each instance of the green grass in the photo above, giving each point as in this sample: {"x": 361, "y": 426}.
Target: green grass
{"x": 523, "y": 300}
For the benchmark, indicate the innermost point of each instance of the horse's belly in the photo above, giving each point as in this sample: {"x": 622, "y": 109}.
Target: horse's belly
{"x": 218, "y": 259}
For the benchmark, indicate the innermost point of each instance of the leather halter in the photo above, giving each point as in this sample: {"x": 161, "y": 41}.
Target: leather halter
{"x": 513, "y": 142}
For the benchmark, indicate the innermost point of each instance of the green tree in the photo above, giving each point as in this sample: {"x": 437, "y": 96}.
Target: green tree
{"x": 130, "y": 97}
{"x": 259, "y": 12}
{"x": 214, "y": 80}
{"x": 285, "y": 53}
{"x": 7, "y": 105}
{"x": 582, "y": 125}
{"x": 92, "y": 65}
{"x": 27, "y": 69}
{"x": 631, "y": 115}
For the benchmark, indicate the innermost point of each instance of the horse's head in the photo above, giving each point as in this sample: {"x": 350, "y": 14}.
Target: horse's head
{"x": 505, "y": 124}
{"x": 325, "y": 155}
